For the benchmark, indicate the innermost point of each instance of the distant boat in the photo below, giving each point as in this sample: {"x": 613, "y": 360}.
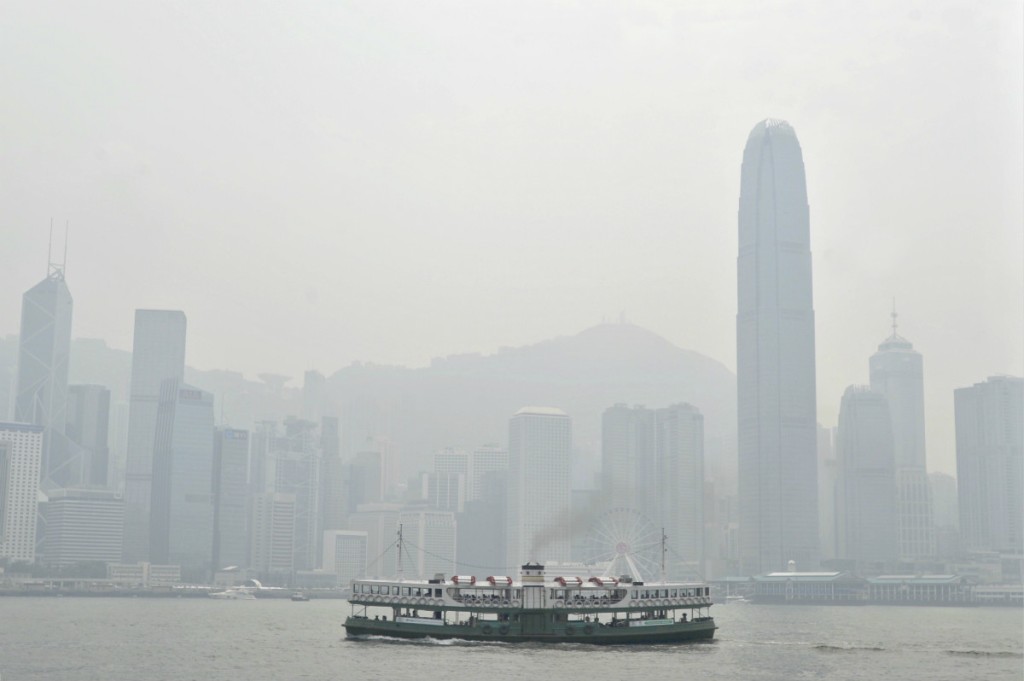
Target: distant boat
{"x": 299, "y": 597}
{"x": 234, "y": 594}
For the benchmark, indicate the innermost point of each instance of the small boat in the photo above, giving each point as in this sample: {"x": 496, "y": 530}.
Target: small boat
{"x": 299, "y": 597}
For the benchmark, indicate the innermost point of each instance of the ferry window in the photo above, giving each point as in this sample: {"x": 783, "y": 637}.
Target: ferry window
{"x": 405, "y": 591}
{"x": 674, "y": 592}
{"x": 385, "y": 590}
{"x": 437, "y": 593}
{"x": 375, "y": 589}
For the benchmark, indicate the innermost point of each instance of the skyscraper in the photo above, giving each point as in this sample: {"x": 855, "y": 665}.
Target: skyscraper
{"x": 653, "y": 462}
{"x": 539, "y": 490}
{"x": 82, "y": 525}
{"x": 21, "y": 451}
{"x": 158, "y": 354}
{"x": 776, "y": 401}
{"x": 44, "y": 347}
{"x": 181, "y": 509}
{"x": 866, "y": 486}
{"x": 231, "y": 498}
{"x": 896, "y": 372}
{"x": 990, "y": 464}
{"x": 88, "y": 425}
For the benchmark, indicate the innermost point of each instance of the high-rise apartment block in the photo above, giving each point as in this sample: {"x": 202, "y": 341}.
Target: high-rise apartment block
{"x": 44, "y": 348}
{"x": 21, "y": 453}
{"x": 428, "y": 538}
{"x": 539, "y": 489}
{"x": 158, "y": 354}
{"x": 776, "y": 399}
{"x": 990, "y": 464}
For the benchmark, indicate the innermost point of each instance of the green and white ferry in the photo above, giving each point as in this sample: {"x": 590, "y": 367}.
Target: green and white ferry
{"x": 536, "y": 608}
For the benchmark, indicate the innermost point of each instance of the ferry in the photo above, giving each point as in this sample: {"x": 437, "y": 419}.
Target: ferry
{"x": 535, "y": 608}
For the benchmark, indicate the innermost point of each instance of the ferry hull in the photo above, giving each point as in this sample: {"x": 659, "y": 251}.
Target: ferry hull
{"x": 588, "y": 633}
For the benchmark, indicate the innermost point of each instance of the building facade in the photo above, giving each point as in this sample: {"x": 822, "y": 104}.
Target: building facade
{"x": 158, "y": 354}
{"x": 539, "y": 490}
{"x": 21, "y": 454}
{"x": 990, "y": 464}
{"x": 775, "y": 357}
{"x": 428, "y": 537}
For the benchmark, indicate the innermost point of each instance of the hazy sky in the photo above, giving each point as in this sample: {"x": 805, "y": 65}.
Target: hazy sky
{"x": 317, "y": 183}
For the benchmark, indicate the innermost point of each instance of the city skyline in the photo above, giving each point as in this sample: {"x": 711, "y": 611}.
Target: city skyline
{"x": 628, "y": 139}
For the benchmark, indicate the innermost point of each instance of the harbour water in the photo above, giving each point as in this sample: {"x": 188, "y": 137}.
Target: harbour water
{"x": 83, "y": 639}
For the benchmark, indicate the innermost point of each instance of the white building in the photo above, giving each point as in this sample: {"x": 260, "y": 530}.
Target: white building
{"x": 539, "y": 525}
{"x": 272, "y": 545}
{"x": 380, "y": 523}
{"x": 897, "y": 373}
{"x": 21, "y": 452}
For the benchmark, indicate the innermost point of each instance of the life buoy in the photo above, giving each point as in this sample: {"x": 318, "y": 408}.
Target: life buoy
{"x": 588, "y": 630}
{"x": 487, "y": 629}
{"x": 559, "y": 604}
{"x": 632, "y": 604}
{"x": 515, "y": 604}
{"x": 664, "y": 603}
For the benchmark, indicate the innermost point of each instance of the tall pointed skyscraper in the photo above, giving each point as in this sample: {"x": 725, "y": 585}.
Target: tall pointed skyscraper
{"x": 896, "y": 372}
{"x": 41, "y": 396}
{"x": 777, "y": 409}
{"x": 158, "y": 354}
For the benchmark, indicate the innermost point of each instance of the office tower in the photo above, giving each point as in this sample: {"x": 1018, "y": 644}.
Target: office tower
{"x": 627, "y": 456}
{"x": 828, "y": 474}
{"x": 314, "y": 396}
{"x": 946, "y": 508}
{"x": 333, "y": 479}
{"x": 181, "y": 510}
{"x": 158, "y": 354}
{"x": 380, "y": 523}
{"x": 897, "y": 373}
{"x": 230, "y": 498}
{"x": 481, "y": 528}
{"x": 345, "y": 555}
{"x": 88, "y": 423}
{"x": 990, "y": 464}
{"x": 293, "y": 468}
{"x": 444, "y": 491}
{"x": 776, "y": 402}
{"x": 365, "y": 479}
{"x": 82, "y": 525}
{"x": 653, "y": 462}
{"x": 118, "y": 445}
{"x": 866, "y": 490}
{"x": 44, "y": 347}
{"x": 273, "y": 534}
{"x": 540, "y": 451}
{"x": 21, "y": 453}
{"x": 679, "y": 435}
{"x": 428, "y": 537}
{"x": 483, "y": 463}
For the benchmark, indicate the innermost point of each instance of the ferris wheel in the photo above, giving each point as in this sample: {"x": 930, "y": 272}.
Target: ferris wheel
{"x": 626, "y": 541}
